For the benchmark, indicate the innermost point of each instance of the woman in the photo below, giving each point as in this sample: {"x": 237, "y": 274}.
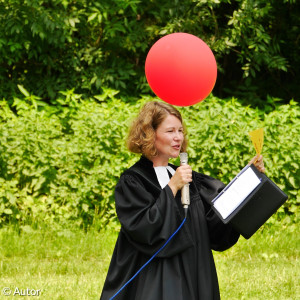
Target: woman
{"x": 148, "y": 205}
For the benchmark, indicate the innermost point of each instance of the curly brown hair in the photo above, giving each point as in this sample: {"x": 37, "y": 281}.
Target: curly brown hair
{"x": 141, "y": 136}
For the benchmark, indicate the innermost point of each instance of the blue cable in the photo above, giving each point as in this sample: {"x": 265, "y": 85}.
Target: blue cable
{"x": 148, "y": 261}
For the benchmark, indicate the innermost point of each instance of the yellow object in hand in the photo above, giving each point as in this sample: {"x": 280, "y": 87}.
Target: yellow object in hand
{"x": 257, "y": 138}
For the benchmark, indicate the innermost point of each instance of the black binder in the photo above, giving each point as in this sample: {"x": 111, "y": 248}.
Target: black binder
{"x": 256, "y": 208}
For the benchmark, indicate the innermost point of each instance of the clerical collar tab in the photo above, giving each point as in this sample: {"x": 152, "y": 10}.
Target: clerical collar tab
{"x": 162, "y": 174}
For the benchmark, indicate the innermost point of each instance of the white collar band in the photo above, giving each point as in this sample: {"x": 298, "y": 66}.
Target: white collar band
{"x": 162, "y": 175}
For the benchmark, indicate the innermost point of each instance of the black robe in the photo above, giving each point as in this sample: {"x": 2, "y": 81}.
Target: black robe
{"x": 149, "y": 215}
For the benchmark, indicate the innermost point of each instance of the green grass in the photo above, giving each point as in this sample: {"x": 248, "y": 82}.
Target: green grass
{"x": 62, "y": 264}
{"x": 264, "y": 267}
{"x": 70, "y": 264}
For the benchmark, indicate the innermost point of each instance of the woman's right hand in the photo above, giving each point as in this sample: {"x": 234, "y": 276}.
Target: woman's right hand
{"x": 182, "y": 176}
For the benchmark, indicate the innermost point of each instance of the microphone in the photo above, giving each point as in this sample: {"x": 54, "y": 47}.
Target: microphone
{"x": 185, "y": 191}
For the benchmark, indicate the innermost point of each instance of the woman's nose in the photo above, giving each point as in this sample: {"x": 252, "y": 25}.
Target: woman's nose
{"x": 178, "y": 136}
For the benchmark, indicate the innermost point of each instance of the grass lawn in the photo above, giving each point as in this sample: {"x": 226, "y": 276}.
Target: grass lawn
{"x": 70, "y": 264}
{"x": 264, "y": 267}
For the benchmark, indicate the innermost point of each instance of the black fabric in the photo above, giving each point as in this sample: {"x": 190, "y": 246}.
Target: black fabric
{"x": 149, "y": 215}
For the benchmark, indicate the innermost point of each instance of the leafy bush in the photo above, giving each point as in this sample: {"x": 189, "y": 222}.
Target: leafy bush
{"x": 56, "y": 163}
{"x": 60, "y": 163}
{"x": 283, "y": 152}
{"x": 220, "y": 145}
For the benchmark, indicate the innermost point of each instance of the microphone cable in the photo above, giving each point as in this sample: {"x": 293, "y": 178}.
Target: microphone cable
{"x": 164, "y": 245}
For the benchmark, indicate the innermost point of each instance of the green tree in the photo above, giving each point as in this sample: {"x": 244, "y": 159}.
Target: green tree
{"x": 53, "y": 45}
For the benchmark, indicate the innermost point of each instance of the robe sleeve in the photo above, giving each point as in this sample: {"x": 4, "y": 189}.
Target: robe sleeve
{"x": 222, "y": 236}
{"x": 149, "y": 221}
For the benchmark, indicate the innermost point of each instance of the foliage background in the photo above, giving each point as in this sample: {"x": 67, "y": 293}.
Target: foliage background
{"x": 52, "y": 45}
{"x": 60, "y": 163}
{"x": 72, "y": 77}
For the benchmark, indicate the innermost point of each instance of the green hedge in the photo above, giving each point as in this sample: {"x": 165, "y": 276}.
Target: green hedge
{"x": 59, "y": 164}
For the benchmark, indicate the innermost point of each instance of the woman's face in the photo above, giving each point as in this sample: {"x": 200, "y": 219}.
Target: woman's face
{"x": 169, "y": 138}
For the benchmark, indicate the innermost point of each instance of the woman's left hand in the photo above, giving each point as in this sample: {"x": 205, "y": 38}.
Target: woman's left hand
{"x": 258, "y": 163}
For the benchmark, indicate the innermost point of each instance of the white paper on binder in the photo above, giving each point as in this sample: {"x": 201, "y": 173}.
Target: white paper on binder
{"x": 236, "y": 192}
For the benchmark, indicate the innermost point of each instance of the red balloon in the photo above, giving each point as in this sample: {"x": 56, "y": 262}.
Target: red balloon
{"x": 181, "y": 69}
